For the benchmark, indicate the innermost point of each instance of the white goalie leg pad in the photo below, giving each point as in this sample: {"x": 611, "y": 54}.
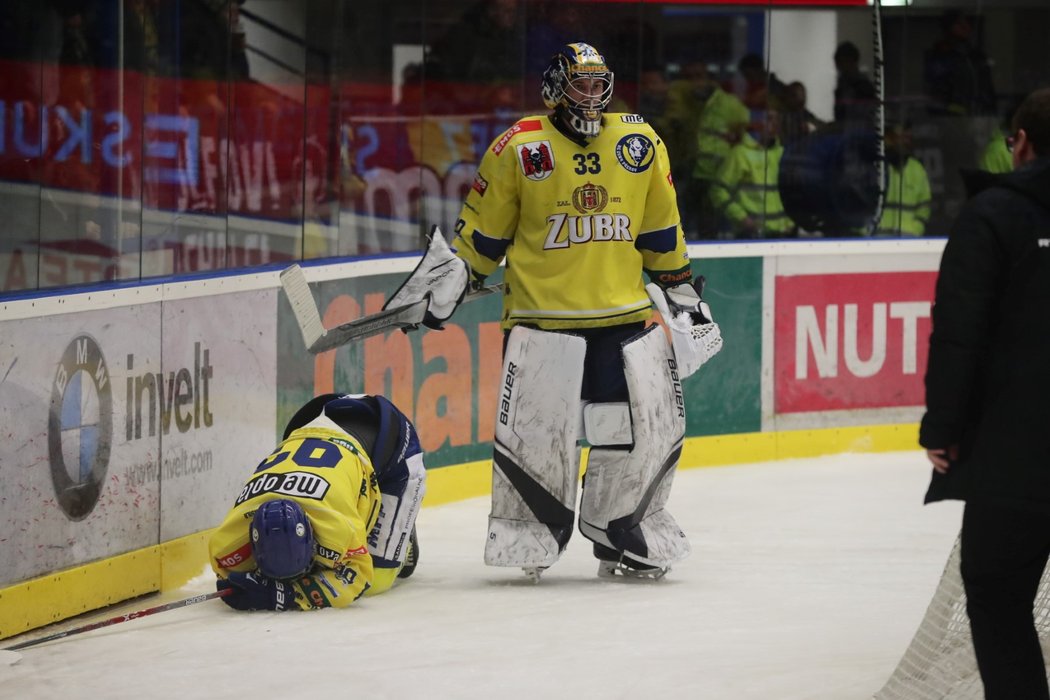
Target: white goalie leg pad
{"x": 625, "y": 490}
{"x": 535, "y": 468}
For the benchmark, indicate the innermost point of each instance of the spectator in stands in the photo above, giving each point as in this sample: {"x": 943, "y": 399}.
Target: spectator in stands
{"x": 762, "y": 89}
{"x": 722, "y": 120}
{"x": 797, "y": 122}
{"x": 855, "y": 98}
{"x": 653, "y": 90}
{"x": 996, "y": 156}
{"x": 745, "y": 189}
{"x": 957, "y": 74}
{"x": 142, "y": 49}
{"x": 482, "y": 53}
{"x": 551, "y": 25}
{"x": 987, "y": 382}
{"x": 674, "y": 115}
{"x": 203, "y": 32}
{"x": 906, "y": 206}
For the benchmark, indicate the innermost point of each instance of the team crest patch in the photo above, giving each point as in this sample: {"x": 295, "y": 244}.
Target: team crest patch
{"x": 635, "y": 153}
{"x": 536, "y": 159}
{"x": 589, "y": 198}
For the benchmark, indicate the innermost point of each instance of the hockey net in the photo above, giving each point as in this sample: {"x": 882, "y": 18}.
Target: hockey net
{"x": 939, "y": 664}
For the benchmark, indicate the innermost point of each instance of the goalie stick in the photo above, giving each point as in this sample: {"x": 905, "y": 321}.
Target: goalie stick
{"x": 319, "y": 339}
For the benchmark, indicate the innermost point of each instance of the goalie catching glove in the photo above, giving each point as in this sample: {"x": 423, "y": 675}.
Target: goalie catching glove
{"x": 440, "y": 278}
{"x": 695, "y": 336}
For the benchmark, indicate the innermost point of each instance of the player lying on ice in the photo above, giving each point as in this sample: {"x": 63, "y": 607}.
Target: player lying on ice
{"x": 580, "y": 203}
{"x": 330, "y": 514}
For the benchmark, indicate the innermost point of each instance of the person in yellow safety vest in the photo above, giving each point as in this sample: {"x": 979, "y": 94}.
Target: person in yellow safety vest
{"x": 745, "y": 189}
{"x": 996, "y": 157}
{"x": 906, "y": 207}
{"x": 722, "y": 120}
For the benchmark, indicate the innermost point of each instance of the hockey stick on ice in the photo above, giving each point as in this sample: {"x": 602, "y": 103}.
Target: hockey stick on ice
{"x": 175, "y": 605}
{"x": 320, "y": 339}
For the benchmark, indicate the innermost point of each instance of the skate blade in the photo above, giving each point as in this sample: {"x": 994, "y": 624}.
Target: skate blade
{"x": 533, "y": 573}
{"x": 622, "y": 572}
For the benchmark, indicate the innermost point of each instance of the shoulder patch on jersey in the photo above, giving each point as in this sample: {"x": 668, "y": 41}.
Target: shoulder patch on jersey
{"x": 480, "y": 184}
{"x": 635, "y": 153}
{"x": 632, "y": 119}
{"x": 536, "y": 159}
{"x": 525, "y": 125}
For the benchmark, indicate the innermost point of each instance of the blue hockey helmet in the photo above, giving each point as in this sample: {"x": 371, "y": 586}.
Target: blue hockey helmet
{"x": 282, "y": 539}
{"x": 579, "y": 85}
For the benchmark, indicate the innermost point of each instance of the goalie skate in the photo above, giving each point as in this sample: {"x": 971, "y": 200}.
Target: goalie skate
{"x": 614, "y": 565}
{"x": 534, "y": 573}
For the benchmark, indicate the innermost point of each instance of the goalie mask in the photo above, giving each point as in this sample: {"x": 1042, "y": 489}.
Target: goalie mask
{"x": 282, "y": 539}
{"x": 578, "y": 85}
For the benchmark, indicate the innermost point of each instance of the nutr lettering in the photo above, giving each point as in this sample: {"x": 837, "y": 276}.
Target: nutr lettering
{"x": 508, "y": 389}
{"x": 566, "y": 230}
{"x": 183, "y": 394}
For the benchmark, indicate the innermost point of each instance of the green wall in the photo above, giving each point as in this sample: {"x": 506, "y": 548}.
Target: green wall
{"x": 446, "y": 380}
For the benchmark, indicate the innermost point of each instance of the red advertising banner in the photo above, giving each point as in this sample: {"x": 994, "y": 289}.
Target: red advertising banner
{"x": 851, "y": 341}
{"x": 177, "y": 144}
{"x": 269, "y": 151}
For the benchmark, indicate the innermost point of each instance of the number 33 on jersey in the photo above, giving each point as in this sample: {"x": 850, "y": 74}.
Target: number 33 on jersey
{"x": 588, "y": 216}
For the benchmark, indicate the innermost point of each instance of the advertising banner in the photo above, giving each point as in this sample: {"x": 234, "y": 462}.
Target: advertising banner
{"x": 99, "y": 167}
{"x": 851, "y": 341}
{"x": 104, "y": 411}
{"x": 446, "y": 381}
{"x": 219, "y": 369}
{"x": 67, "y": 489}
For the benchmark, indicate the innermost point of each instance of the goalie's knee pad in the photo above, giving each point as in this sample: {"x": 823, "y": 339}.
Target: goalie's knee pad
{"x": 535, "y": 453}
{"x": 626, "y": 485}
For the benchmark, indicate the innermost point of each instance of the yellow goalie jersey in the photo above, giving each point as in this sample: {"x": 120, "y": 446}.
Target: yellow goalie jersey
{"x": 331, "y": 477}
{"x": 577, "y": 224}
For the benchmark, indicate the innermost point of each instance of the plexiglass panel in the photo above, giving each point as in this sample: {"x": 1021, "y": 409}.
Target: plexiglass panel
{"x": 141, "y": 138}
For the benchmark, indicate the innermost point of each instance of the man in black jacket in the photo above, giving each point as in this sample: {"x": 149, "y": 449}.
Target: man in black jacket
{"x": 987, "y": 423}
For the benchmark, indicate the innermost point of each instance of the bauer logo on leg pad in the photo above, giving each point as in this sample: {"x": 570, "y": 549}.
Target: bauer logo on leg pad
{"x": 679, "y": 398}
{"x": 507, "y": 394}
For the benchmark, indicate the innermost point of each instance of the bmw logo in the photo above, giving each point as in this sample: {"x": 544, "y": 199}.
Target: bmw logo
{"x": 80, "y": 427}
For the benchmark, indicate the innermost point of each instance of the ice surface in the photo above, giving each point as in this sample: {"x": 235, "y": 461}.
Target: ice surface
{"x": 807, "y": 580}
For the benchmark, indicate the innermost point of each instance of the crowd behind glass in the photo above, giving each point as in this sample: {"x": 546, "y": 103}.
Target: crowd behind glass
{"x": 145, "y": 138}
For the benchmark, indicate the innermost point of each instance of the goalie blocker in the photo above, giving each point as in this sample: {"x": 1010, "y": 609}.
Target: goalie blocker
{"x": 635, "y": 446}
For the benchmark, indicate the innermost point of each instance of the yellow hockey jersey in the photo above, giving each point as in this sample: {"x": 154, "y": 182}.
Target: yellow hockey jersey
{"x": 576, "y": 224}
{"x": 331, "y": 477}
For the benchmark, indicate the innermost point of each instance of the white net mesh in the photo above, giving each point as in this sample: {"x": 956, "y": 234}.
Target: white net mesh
{"x": 708, "y": 337}
{"x": 939, "y": 664}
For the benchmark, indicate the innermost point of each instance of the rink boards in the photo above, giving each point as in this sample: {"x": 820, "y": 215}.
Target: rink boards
{"x": 131, "y": 416}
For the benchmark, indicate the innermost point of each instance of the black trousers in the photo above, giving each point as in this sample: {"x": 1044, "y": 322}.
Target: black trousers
{"x": 1004, "y": 552}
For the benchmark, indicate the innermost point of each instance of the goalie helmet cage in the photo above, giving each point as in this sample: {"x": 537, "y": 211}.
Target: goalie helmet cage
{"x": 939, "y": 664}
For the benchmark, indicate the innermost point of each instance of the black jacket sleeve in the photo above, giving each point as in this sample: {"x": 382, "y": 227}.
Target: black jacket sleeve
{"x": 964, "y": 318}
